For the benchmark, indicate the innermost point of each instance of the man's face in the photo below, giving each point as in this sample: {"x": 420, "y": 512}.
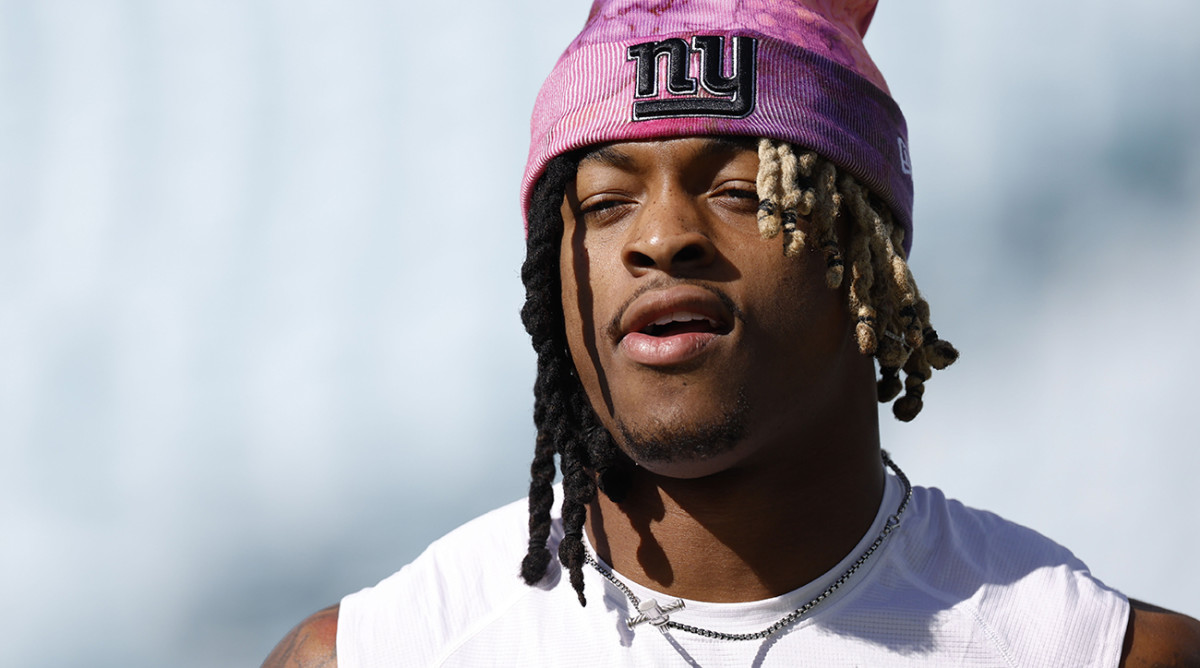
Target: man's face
{"x": 699, "y": 344}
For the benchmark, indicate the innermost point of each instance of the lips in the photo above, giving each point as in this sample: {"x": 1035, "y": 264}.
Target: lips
{"x": 663, "y": 328}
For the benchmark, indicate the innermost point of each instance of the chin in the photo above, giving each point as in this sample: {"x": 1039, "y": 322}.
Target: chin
{"x": 682, "y": 446}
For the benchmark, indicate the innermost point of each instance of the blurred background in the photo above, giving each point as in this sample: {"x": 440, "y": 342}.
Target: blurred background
{"x": 259, "y": 288}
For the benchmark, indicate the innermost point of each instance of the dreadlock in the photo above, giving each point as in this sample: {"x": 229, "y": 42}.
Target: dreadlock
{"x": 892, "y": 316}
{"x": 566, "y": 424}
{"x": 891, "y": 324}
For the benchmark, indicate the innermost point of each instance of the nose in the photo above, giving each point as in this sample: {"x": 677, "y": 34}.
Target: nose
{"x": 670, "y": 235}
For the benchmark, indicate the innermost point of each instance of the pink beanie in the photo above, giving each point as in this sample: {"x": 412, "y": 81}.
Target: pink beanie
{"x": 794, "y": 70}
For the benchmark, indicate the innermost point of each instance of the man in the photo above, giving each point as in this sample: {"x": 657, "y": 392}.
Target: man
{"x": 718, "y": 201}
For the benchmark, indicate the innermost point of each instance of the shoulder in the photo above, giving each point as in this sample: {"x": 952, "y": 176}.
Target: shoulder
{"x": 462, "y": 583}
{"x": 485, "y": 551}
{"x": 1158, "y": 637}
{"x": 963, "y": 552}
{"x": 979, "y": 543}
{"x": 1031, "y": 598}
{"x": 312, "y": 644}
{"x": 472, "y": 570}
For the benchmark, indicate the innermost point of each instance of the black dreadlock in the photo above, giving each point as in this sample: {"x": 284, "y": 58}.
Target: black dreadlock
{"x": 893, "y": 326}
{"x": 566, "y": 424}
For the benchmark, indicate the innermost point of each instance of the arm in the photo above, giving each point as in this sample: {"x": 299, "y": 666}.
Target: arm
{"x": 312, "y": 644}
{"x": 1158, "y": 638}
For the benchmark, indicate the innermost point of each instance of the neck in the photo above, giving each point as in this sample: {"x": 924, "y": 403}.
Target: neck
{"x": 766, "y": 527}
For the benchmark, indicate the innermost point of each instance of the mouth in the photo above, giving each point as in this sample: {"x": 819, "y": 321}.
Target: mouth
{"x": 663, "y": 328}
{"x": 682, "y": 322}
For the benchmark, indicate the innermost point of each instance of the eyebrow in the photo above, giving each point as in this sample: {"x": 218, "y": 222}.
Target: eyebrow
{"x": 608, "y": 155}
{"x": 612, "y": 156}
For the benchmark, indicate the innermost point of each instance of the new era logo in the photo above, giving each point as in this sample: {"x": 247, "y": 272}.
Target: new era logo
{"x": 905, "y": 160}
{"x": 728, "y": 95}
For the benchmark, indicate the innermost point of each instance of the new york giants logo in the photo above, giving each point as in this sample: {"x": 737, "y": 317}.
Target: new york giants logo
{"x": 731, "y": 96}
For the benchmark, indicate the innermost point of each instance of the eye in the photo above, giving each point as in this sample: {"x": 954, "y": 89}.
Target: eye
{"x": 740, "y": 196}
{"x": 741, "y": 193}
{"x": 600, "y": 210}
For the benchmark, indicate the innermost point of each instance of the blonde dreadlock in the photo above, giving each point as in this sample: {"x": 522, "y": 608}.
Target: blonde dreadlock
{"x": 892, "y": 316}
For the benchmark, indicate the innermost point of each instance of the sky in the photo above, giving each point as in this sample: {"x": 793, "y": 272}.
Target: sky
{"x": 259, "y": 288}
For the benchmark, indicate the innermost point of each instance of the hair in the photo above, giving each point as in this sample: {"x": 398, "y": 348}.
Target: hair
{"x": 892, "y": 325}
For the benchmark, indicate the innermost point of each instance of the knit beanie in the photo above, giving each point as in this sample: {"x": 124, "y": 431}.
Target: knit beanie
{"x": 794, "y": 70}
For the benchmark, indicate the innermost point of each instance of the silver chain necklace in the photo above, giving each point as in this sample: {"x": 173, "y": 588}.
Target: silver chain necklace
{"x": 660, "y": 616}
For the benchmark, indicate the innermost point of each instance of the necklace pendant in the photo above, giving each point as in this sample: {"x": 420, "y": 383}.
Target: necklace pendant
{"x": 650, "y": 611}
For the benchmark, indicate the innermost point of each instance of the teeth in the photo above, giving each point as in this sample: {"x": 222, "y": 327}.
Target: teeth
{"x": 681, "y": 317}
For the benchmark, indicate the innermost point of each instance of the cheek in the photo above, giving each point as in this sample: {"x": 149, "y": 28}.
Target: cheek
{"x": 572, "y": 316}
{"x": 579, "y": 318}
{"x": 588, "y": 279}
{"x": 570, "y": 290}
{"x": 810, "y": 319}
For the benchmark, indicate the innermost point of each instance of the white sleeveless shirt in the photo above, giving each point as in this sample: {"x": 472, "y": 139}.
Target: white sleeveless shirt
{"x": 951, "y": 586}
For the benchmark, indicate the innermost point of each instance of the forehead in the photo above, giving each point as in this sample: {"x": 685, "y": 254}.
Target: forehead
{"x": 624, "y": 155}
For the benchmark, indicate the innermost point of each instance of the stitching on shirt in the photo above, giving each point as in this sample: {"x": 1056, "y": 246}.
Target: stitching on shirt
{"x": 477, "y": 627}
{"x": 957, "y": 604}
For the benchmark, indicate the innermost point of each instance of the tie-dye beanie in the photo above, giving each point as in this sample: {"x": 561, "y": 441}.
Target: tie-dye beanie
{"x": 794, "y": 70}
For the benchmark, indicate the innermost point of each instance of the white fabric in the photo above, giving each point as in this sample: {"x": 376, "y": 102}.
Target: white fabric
{"x": 952, "y": 586}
